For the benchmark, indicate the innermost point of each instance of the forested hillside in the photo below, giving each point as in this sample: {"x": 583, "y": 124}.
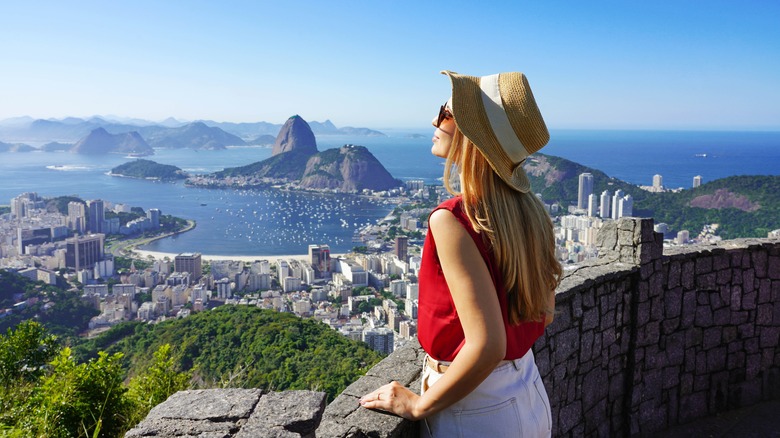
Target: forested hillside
{"x": 240, "y": 346}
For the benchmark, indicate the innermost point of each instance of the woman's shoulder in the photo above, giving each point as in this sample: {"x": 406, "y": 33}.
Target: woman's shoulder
{"x": 452, "y": 204}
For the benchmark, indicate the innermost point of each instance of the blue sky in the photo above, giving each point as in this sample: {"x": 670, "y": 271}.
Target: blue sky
{"x": 592, "y": 65}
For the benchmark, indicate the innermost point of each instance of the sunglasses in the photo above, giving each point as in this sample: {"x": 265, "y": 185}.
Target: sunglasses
{"x": 444, "y": 113}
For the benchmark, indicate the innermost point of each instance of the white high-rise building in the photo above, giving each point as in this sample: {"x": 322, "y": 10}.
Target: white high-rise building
{"x": 658, "y": 182}
{"x": 604, "y": 205}
{"x": 626, "y": 206}
{"x": 585, "y": 189}
{"x": 696, "y": 181}
{"x": 682, "y": 237}
{"x": 592, "y": 205}
{"x": 616, "y": 203}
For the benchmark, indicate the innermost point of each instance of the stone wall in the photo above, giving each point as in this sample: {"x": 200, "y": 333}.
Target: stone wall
{"x": 642, "y": 341}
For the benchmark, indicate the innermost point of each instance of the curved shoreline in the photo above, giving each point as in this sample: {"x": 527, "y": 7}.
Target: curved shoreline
{"x": 132, "y": 249}
{"x": 159, "y": 255}
{"x": 129, "y": 247}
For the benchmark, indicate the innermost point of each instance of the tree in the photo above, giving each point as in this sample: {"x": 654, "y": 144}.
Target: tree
{"x": 24, "y": 352}
{"x": 80, "y": 399}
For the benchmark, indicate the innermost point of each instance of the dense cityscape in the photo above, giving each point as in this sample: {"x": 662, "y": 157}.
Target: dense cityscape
{"x": 369, "y": 294}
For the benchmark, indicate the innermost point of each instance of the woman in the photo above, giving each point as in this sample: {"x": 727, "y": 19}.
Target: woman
{"x": 488, "y": 275}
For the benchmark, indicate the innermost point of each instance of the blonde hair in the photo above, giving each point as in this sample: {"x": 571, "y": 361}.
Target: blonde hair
{"x": 517, "y": 227}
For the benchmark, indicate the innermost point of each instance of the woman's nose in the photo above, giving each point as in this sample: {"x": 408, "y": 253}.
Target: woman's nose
{"x": 433, "y": 122}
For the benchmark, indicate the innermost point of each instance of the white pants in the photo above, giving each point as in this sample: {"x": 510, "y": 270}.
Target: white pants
{"x": 511, "y": 402}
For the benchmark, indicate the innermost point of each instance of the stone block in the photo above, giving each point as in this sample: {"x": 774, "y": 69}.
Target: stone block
{"x": 723, "y": 276}
{"x": 739, "y": 318}
{"x": 712, "y": 337}
{"x": 282, "y": 414}
{"x": 673, "y": 302}
{"x": 768, "y": 337}
{"x": 208, "y": 404}
{"x": 725, "y": 294}
{"x": 701, "y": 367}
{"x": 626, "y": 238}
{"x": 693, "y": 337}
{"x": 765, "y": 294}
{"x": 751, "y": 345}
{"x": 656, "y": 309}
{"x": 590, "y": 319}
{"x": 648, "y": 334}
{"x": 566, "y": 344}
{"x": 569, "y": 416}
{"x": 586, "y": 348}
{"x": 606, "y": 238}
{"x": 753, "y": 366}
{"x": 721, "y": 260}
{"x": 729, "y": 334}
{"x": 716, "y": 359}
{"x": 646, "y": 270}
{"x": 671, "y": 377}
{"x": 703, "y": 265}
{"x": 673, "y": 275}
{"x": 736, "y": 258}
{"x": 626, "y": 254}
{"x": 736, "y": 298}
{"x": 688, "y": 276}
{"x": 722, "y": 316}
{"x": 703, "y": 316}
{"x": 736, "y": 276}
{"x": 749, "y": 300}
{"x": 594, "y": 388}
{"x": 715, "y": 301}
{"x": 686, "y": 384}
{"x": 736, "y": 361}
{"x": 748, "y": 280}
{"x": 171, "y": 427}
{"x": 675, "y": 349}
{"x": 759, "y": 259}
{"x": 706, "y": 281}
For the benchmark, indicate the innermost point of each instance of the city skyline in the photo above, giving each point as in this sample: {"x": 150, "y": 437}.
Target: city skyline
{"x": 608, "y": 66}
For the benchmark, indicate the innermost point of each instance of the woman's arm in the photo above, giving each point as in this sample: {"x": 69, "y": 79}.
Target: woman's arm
{"x": 479, "y": 311}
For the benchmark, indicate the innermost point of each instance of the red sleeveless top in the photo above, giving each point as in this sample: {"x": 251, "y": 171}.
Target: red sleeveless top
{"x": 438, "y": 326}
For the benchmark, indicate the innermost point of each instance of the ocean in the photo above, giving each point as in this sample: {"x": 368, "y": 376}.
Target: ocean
{"x": 240, "y": 222}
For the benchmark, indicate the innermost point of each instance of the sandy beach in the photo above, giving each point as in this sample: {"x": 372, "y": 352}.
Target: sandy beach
{"x": 208, "y": 258}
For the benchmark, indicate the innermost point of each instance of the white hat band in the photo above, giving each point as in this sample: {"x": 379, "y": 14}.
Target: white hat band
{"x": 499, "y": 122}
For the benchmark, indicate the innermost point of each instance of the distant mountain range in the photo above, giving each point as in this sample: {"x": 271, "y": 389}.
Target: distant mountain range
{"x": 167, "y": 133}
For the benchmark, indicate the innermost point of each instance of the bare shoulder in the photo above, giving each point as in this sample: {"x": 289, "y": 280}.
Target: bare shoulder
{"x": 442, "y": 222}
{"x": 451, "y": 237}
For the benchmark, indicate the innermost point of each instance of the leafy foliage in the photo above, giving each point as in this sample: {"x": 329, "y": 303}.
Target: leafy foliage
{"x": 61, "y": 311}
{"x": 46, "y": 392}
{"x": 24, "y": 352}
{"x": 241, "y": 346}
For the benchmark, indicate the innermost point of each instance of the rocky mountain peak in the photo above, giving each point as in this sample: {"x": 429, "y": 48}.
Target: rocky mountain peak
{"x": 296, "y": 135}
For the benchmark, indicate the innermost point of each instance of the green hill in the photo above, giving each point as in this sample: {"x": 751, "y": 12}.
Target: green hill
{"x": 242, "y": 346}
{"x": 149, "y": 169}
{"x": 744, "y": 206}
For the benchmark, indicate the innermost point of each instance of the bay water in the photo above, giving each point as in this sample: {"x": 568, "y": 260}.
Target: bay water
{"x": 270, "y": 222}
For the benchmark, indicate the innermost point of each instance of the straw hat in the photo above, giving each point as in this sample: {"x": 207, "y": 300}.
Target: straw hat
{"x": 499, "y": 115}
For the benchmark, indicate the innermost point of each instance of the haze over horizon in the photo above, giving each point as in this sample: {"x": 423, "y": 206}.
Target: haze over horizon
{"x": 613, "y": 65}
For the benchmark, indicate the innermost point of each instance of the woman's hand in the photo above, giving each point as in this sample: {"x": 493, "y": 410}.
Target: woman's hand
{"x": 394, "y": 398}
